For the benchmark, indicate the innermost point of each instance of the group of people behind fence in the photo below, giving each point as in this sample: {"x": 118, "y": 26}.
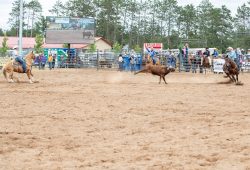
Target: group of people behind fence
{"x": 134, "y": 62}
{"x": 193, "y": 61}
{"x": 41, "y": 61}
{"x": 130, "y": 61}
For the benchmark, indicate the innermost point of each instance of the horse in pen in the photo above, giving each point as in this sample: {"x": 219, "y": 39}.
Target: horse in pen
{"x": 206, "y": 63}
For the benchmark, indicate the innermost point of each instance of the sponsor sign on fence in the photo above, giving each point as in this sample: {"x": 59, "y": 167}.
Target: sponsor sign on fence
{"x": 218, "y": 65}
{"x": 157, "y": 46}
{"x": 246, "y": 65}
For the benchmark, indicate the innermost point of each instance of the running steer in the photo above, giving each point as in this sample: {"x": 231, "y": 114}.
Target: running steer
{"x": 158, "y": 70}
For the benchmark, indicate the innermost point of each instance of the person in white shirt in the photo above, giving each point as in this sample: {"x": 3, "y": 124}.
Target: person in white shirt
{"x": 120, "y": 61}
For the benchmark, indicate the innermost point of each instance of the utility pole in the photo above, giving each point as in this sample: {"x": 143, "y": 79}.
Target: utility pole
{"x": 20, "y": 43}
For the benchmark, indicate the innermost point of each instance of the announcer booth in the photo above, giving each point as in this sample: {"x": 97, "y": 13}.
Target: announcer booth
{"x": 67, "y": 30}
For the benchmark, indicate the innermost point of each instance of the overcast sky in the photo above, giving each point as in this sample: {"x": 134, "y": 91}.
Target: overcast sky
{"x": 6, "y": 5}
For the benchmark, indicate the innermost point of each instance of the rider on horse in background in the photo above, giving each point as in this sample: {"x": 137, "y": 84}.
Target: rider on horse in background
{"x": 19, "y": 59}
{"x": 207, "y": 52}
{"x": 152, "y": 53}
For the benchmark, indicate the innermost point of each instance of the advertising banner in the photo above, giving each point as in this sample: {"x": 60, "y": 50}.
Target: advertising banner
{"x": 245, "y": 65}
{"x": 157, "y": 46}
{"x": 218, "y": 65}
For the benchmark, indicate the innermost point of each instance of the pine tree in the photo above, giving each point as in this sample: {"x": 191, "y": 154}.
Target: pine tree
{"x": 5, "y": 47}
{"x": 39, "y": 42}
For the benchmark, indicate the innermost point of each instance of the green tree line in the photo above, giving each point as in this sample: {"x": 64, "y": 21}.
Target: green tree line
{"x": 135, "y": 22}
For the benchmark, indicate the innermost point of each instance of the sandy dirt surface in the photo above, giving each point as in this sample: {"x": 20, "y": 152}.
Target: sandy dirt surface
{"x": 88, "y": 119}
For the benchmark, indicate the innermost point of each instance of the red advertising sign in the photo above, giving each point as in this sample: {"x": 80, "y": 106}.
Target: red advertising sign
{"x": 156, "y": 46}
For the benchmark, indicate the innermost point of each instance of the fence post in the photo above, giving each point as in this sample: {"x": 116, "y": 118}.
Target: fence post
{"x": 97, "y": 60}
{"x": 179, "y": 56}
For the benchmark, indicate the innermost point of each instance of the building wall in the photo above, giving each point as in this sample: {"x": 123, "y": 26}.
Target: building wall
{"x": 101, "y": 45}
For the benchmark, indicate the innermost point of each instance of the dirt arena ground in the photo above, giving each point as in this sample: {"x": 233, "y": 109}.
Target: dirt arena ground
{"x": 88, "y": 119}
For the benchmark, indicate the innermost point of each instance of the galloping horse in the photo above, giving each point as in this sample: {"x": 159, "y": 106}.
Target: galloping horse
{"x": 231, "y": 70}
{"x": 13, "y": 66}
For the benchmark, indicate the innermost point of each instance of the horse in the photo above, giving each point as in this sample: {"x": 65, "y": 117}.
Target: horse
{"x": 206, "y": 64}
{"x": 13, "y": 66}
{"x": 158, "y": 70}
{"x": 231, "y": 70}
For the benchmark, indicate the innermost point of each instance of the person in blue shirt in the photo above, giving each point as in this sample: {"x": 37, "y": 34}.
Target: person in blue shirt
{"x": 19, "y": 59}
{"x": 151, "y": 53}
{"x": 215, "y": 54}
{"x": 233, "y": 56}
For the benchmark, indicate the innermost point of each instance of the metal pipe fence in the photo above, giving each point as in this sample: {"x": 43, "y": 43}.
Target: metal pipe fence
{"x": 110, "y": 60}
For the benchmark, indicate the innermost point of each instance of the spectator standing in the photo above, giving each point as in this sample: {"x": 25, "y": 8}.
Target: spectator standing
{"x": 185, "y": 57}
{"x": 59, "y": 58}
{"x": 54, "y": 61}
{"x": 40, "y": 61}
{"x": 43, "y": 61}
{"x": 238, "y": 57}
{"x": 138, "y": 62}
{"x": 50, "y": 60}
{"x": 120, "y": 62}
{"x": 132, "y": 60}
{"x": 242, "y": 51}
{"x": 215, "y": 53}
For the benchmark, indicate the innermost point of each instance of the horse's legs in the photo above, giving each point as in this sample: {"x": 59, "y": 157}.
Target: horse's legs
{"x": 32, "y": 76}
{"x": 11, "y": 77}
{"x": 160, "y": 80}
{"x": 234, "y": 78}
{"x": 164, "y": 79}
{"x": 237, "y": 77}
{"x": 29, "y": 76}
{"x": 229, "y": 77}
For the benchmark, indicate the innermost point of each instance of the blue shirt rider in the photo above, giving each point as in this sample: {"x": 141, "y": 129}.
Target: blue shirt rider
{"x": 152, "y": 54}
{"x": 19, "y": 59}
{"x": 231, "y": 54}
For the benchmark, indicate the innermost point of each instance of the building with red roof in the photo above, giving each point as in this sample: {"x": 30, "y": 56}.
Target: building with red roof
{"x": 29, "y": 42}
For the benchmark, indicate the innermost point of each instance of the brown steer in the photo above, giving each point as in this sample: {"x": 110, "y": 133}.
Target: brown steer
{"x": 158, "y": 70}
